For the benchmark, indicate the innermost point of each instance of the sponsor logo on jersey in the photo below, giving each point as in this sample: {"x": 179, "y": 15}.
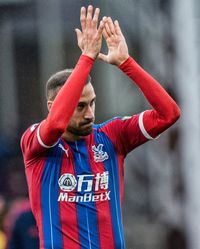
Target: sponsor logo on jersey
{"x": 88, "y": 197}
{"x": 67, "y": 182}
{"x": 87, "y": 187}
{"x": 99, "y": 154}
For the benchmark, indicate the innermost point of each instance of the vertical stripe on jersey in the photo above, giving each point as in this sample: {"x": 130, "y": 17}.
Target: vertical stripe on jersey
{"x": 68, "y": 214}
{"x": 86, "y": 211}
{"x": 49, "y": 203}
{"x": 112, "y": 166}
{"x": 106, "y": 237}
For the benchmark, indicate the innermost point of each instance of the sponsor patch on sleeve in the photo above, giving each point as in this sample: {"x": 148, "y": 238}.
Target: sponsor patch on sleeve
{"x": 33, "y": 127}
{"x": 126, "y": 117}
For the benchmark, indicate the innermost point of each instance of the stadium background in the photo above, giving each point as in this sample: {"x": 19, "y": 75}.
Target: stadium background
{"x": 37, "y": 38}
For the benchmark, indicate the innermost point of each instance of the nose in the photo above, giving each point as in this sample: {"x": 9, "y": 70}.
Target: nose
{"x": 89, "y": 114}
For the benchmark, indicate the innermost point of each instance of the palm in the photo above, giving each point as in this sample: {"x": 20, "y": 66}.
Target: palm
{"x": 116, "y": 43}
{"x": 117, "y": 49}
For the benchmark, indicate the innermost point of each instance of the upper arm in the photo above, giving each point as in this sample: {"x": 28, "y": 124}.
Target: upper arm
{"x": 154, "y": 124}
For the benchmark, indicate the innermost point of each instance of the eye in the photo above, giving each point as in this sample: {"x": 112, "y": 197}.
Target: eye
{"x": 92, "y": 102}
{"x": 80, "y": 106}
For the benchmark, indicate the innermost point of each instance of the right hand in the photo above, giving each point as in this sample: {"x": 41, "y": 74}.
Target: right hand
{"x": 90, "y": 38}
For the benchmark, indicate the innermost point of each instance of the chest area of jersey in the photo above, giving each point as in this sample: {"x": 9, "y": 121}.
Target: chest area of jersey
{"x": 80, "y": 173}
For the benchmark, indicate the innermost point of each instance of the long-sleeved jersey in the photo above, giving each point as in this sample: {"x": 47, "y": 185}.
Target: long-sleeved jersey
{"x": 76, "y": 188}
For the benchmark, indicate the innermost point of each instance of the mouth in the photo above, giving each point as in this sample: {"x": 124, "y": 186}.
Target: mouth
{"x": 86, "y": 128}
{"x": 88, "y": 124}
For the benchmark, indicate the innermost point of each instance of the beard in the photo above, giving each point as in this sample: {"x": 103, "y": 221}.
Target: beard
{"x": 84, "y": 129}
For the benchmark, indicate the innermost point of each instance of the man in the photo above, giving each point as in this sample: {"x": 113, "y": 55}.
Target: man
{"x": 74, "y": 168}
{"x": 24, "y": 234}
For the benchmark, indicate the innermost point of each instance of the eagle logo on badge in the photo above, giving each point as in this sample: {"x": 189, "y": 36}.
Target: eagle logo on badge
{"x": 99, "y": 154}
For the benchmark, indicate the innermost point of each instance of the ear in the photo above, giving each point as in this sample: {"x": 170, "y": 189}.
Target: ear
{"x": 49, "y": 104}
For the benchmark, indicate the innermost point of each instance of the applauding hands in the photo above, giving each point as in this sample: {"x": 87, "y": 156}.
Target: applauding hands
{"x": 90, "y": 38}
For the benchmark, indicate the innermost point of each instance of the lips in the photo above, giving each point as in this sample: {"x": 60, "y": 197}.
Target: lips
{"x": 87, "y": 123}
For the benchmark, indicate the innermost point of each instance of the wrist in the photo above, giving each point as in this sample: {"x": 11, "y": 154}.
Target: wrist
{"x": 122, "y": 61}
{"x": 90, "y": 55}
{"x": 125, "y": 63}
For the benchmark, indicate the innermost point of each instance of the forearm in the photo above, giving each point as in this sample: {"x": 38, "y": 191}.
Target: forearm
{"x": 65, "y": 102}
{"x": 166, "y": 111}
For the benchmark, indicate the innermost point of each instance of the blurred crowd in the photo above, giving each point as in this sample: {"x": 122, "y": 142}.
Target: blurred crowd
{"x": 17, "y": 224}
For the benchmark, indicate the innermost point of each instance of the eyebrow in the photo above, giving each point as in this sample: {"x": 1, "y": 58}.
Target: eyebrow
{"x": 83, "y": 102}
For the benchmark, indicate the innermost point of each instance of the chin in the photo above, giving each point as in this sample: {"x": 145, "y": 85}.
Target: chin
{"x": 83, "y": 132}
{"x": 87, "y": 132}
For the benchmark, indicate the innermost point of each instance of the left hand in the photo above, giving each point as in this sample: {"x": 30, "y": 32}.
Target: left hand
{"x": 117, "y": 47}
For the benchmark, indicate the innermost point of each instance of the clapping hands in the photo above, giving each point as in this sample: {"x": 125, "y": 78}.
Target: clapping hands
{"x": 90, "y": 38}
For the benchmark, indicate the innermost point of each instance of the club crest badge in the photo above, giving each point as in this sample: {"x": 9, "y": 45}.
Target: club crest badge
{"x": 99, "y": 154}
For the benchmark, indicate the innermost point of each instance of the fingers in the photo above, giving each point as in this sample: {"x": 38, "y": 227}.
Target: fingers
{"x": 90, "y": 21}
{"x": 89, "y": 16}
{"x": 87, "y": 19}
{"x": 90, "y": 39}
{"x": 110, "y": 28}
{"x": 95, "y": 18}
{"x": 79, "y": 35}
{"x": 117, "y": 28}
{"x": 101, "y": 28}
{"x": 105, "y": 34}
{"x": 83, "y": 18}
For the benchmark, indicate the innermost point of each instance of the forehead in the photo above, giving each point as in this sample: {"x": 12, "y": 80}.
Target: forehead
{"x": 88, "y": 93}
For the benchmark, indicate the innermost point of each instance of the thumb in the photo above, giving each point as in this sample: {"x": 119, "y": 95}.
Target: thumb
{"x": 78, "y": 34}
{"x": 102, "y": 57}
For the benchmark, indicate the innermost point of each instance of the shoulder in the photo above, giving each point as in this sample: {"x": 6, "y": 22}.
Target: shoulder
{"x": 114, "y": 128}
{"x": 31, "y": 144}
{"x": 30, "y": 131}
{"x": 112, "y": 121}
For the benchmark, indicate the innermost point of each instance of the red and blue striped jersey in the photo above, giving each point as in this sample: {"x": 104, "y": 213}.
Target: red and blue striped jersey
{"x": 76, "y": 188}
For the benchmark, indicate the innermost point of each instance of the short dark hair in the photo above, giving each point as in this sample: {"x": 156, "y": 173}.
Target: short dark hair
{"x": 57, "y": 80}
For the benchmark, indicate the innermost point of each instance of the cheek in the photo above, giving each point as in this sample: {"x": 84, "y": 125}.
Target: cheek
{"x": 74, "y": 121}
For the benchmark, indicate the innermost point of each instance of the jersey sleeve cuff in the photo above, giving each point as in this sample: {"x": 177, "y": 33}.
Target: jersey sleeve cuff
{"x": 143, "y": 130}
{"x": 86, "y": 58}
{"x": 126, "y": 63}
{"x": 40, "y": 140}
